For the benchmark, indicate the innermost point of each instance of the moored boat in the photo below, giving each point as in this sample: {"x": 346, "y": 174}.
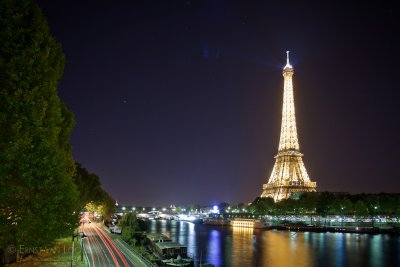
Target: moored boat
{"x": 249, "y": 223}
{"x": 178, "y": 261}
{"x": 169, "y": 252}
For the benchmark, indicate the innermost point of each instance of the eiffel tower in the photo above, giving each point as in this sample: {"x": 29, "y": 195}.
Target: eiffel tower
{"x": 289, "y": 174}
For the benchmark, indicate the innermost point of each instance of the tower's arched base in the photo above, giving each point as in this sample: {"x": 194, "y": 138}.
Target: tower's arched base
{"x": 281, "y": 192}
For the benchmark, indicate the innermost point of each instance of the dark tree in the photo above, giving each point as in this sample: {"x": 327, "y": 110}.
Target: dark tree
{"x": 262, "y": 206}
{"x": 308, "y": 202}
{"x": 360, "y": 209}
{"x": 88, "y": 185}
{"x": 38, "y": 199}
{"x": 325, "y": 203}
{"x": 130, "y": 226}
{"x": 223, "y": 207}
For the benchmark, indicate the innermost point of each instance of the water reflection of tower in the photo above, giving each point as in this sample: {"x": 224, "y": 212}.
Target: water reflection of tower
{"x": 285, "y": 249}
{"x": 242, "y": 247}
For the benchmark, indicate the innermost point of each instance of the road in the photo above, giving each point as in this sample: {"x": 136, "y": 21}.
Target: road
{"x": 102, "y": 249}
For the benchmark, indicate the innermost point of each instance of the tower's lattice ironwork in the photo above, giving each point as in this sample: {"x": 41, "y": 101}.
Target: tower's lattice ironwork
{"x": 289, "y": 174}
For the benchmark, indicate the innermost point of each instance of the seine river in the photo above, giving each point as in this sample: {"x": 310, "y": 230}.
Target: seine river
{"x": 227, "y": 246}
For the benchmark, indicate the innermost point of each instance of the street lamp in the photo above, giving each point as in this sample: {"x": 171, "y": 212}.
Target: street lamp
{"x": 373, "y": 219}
{"x": 342, "y": 216}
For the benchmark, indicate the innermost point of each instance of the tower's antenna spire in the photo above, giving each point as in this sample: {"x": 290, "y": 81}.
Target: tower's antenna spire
{"x": 287, "y": 57}
{"x": 287, "y": 61}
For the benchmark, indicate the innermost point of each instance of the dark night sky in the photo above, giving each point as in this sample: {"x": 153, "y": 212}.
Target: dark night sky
{"x": 180, "y": 101}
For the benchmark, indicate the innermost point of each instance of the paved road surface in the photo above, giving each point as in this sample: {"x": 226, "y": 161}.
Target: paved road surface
{"x": 100, "y": 250}
{"x": 104, "y": 249}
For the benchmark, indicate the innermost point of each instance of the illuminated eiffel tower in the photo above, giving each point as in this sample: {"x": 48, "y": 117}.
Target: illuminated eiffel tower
{"x": 289, "y": 174}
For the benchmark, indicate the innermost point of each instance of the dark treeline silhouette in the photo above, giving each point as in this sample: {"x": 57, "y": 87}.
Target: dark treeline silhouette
{"x": 330, "y": 203}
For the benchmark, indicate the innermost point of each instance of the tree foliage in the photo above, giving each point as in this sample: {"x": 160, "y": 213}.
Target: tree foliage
{"x": 132, "y": 228}
{"x": 129, "y": 226}
{"x": 360, "y": 209}
{"x": 91, "y": 195}
{"x": 262, "y": 206}
{"x": 37, "y": 195}
{"x": 104, "y": 208}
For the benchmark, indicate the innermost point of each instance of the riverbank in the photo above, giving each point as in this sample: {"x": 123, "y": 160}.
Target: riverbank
{"x": 337, "y": 229}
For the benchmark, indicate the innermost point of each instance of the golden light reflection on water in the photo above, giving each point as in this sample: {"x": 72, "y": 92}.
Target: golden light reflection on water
{"x": 242, "y": 242}
{"x": 285, "y": 249}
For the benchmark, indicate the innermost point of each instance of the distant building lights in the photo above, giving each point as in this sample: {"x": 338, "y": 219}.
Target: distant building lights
{"x": 215, "y": 210}
{"x": 154, "y": 208}
{"x": 123, "y": 208}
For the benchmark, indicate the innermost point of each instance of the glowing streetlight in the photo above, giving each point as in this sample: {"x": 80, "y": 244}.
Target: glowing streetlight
{"x": 374, "y": 215}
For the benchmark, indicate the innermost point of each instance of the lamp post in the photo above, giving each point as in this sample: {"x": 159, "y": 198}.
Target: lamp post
{"x": 342, "y": 216}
